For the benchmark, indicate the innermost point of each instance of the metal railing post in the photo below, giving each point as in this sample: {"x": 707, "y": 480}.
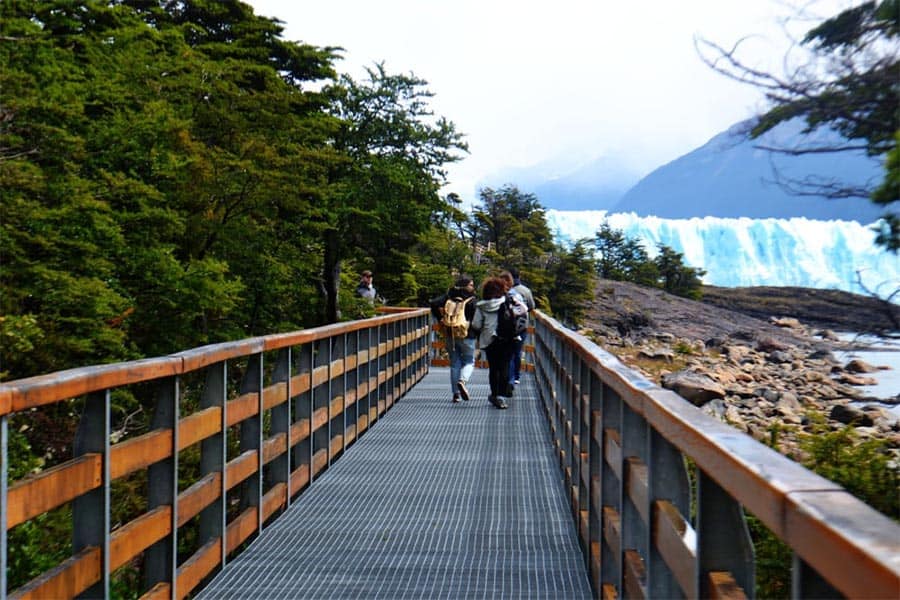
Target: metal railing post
{"x": 611, "y": 563}
{"x": 280, "y": 467}
{"x": 252, "y": 438}
{"x": 214, "y": 457}
{"x": 90, "y": 511}
{"x": 667, "y": 480}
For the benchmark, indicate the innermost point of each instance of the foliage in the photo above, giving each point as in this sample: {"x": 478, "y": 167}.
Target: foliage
{"x": 573, "y": 282}
{"x": 625, "y": 259}
{"x": 849, "y": 84}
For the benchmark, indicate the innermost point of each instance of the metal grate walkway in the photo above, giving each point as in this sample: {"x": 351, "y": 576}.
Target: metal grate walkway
{"x": 436, "y": 500}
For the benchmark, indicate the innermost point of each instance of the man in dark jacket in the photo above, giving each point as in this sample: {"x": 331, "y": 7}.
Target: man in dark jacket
{"x": 461, "y": 350}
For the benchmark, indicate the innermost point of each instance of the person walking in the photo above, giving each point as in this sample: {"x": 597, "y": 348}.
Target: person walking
{"x": 497, "y": 349}
{"x": 515, "y": 364}
{"x": 455, "y": 310}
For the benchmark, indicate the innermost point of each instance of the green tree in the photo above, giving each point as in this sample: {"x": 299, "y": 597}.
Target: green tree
{"x": 384, "y": 193}
{"x": 851, "y": 85}
{"x": 674, "y": 276}
{"x": 574, "y": 274}
{"x": 622, "y": 258}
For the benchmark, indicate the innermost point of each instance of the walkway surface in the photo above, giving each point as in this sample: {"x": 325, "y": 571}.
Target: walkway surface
{"x": 436, "y": 500}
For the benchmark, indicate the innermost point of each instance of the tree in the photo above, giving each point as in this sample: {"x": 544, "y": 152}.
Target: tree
{"x": 574, "y": 274}
{"x": 850, "y": 84}
{"x": 622, "y": 258}
{"x": 674, "y": 276}
{"x": 383, "y": 193}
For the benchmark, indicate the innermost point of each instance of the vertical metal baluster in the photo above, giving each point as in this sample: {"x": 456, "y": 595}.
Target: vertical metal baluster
{"x": 90, "y": 511}
{"x": 807, "y": 583}
{"x": 668, "y": 480}
{"x": 161, "y": 559}
{"x": 280, "y": 467}
{"x": 4, "y": 496}
{"x": 723, "y": 541}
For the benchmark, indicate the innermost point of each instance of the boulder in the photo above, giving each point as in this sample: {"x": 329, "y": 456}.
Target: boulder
{"x": 788, "y": 322}
{"x": 860, "y": 366}
{"x": 695, "y": 388}
{"x": 850, "y": 415}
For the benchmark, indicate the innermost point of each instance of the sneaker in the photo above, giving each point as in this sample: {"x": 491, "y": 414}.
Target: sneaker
{"x": 501, "y": 403}
{"x": 455, "y": 398}
{"x": 516, "y": 382}
{"x": 461, "y": 386}
{"x": 494, "y": 400}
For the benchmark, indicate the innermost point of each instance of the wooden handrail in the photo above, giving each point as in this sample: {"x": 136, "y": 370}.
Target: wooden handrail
{"x": 387, "y": 354}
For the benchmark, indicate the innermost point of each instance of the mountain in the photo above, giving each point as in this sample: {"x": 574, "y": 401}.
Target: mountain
{"x": 754, "y": 252}
{"x": 596, "y": 184}
{"x": 731, "y": 176}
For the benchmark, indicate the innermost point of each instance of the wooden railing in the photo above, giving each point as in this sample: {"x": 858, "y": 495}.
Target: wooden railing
{"x": 648, "y": 530}
{"x": 256, "y": 440}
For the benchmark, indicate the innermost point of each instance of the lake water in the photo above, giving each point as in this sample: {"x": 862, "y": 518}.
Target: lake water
{"x": 883, "y": 352}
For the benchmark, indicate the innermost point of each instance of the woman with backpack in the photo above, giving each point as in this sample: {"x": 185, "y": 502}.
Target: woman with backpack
{"x": 454, "y": 311}
{"x": 496, "y": 347}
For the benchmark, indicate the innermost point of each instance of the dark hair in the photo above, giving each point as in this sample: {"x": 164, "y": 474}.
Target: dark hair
{"x": 493, "y": 287}
{"x": 366, "y": 273}
{"x": 514, "y": 272}
{"x": 507, "y": 278}
{"x": 463, "y": 281}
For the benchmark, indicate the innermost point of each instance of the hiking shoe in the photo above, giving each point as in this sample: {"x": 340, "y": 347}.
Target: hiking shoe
{"x": 516, "y": 382}
{"x": 501, "y": 404}
{"x": 461, "y": 386}
{"x": 494, "y": 400}
{"x": 455, "y": 398}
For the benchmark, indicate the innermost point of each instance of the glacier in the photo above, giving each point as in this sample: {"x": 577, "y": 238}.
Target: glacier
{"x": 740, "y": 252}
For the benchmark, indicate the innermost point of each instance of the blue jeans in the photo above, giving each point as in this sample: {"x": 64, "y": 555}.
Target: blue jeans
{"x": 515, "y": 363}
{"x": 462, "y": 361}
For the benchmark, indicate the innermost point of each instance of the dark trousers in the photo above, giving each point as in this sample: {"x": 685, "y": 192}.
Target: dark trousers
{"x": 498, "y": 355}
{"x": 515, "y": 362}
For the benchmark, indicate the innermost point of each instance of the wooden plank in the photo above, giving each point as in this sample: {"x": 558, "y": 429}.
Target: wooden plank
{"x": 51, "y": 488}
{"x": 612, "y": 532}
{"x": 201, "y": 494}
{"x": 337, "y": 406}
{"x": 68, "y": 579}
{"x": 337, "y": 367}
{"x": 320, "y": 375}
{"x": 670, "y": 536}
{"x": 199, "y": 426}
{"x": 139, "y": 452}
{"x": 160, "y": 591}
{"x": 722, "y": 586}
{"x": 320, "y": 418}
{"x": 634, "y": 576}
{"x": 299, "y": 479}
{"x": 23, "y": 394}
{"x": 131, "y": 539}
{"x": 612, "y": 451}
{"x": 300, "y": 384}
{"x": 337, "y": 444}
{"x": 320, "y": 461}
{"x": 274, "y": 447}
{"x": 241, "y": 408}
{"x": 240, "y": 468}
{"x": 595, "y": 564}
{"x": 197, "y": 567}
{"x": 274, "y": 395}
{"x": 299, "y": 431}
{"x": 608, "y": 592}
{"x": 243, "y": 526}
{"x": 855, "y": 548}
{"x": 637, "y": 487}
{"x": 274, "y": 500}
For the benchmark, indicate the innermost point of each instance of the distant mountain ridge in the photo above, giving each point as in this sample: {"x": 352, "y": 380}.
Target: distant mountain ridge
{"x": 731, "y": 176}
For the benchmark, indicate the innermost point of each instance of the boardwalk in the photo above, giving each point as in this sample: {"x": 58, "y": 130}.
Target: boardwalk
{"x": 437, "y": 500}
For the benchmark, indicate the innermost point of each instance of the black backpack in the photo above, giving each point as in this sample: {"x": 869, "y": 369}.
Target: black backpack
{"x": 512, "y": 318}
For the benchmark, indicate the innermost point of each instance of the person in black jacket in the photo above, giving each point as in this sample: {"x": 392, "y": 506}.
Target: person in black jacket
{"x": 460, "y": 350}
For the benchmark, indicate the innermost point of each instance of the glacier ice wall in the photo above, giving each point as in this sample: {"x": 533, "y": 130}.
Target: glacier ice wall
{"x": 737, "y": 252}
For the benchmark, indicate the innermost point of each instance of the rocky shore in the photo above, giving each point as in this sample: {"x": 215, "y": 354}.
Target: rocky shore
{"x": 774, "y": 377}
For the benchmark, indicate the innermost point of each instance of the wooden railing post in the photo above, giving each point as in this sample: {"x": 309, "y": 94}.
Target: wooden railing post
{"x": 723, "y": 541}
{"x": 611, "y": 563}
{"x": 807, "y": 583}
{"x": 303, "y": 409}
{"x": 635, "y": 507}
{"x": 252, "y": 437}
{"x": 597, "y": 491}
{"x": 280, "y": 468}
{"x": 338, "y": 390}
{"x": 321, "y": 400}
{"x": 668, "y": 482}
{"x": 161, "y": 559}
{"x": 213, "y": 457}
{"x": 90, "y": 511}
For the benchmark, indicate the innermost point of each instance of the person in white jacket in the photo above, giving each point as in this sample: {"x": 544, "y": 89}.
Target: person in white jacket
{"x": 498, "y": 350}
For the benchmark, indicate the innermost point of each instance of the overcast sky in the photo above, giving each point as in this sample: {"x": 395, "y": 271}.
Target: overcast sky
{"x": 559, "y": 82}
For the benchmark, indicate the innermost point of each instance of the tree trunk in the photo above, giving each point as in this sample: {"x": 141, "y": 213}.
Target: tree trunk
{"x": 331, "y": 277}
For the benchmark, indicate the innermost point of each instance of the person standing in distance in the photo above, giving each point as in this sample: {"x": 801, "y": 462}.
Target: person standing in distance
{"x": 515, "y": 365}
{"x": 365, "y": 288}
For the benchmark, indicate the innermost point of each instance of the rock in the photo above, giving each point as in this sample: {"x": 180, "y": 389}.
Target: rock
{"x": 770, "y": 344}
{"x": 825, "y": 355}
{"x": 860, "y": 366}
{"x": 788, "y": 322}
{"x": 779, "y": 357}
{"x": 850, "y": 415}
{"x": 850, "y": 379}
{"x": 715, "y": 408}
{"x": 695, "y": 388}
{"x": 827, "y": 334}
{"x": 657, "y": 354}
